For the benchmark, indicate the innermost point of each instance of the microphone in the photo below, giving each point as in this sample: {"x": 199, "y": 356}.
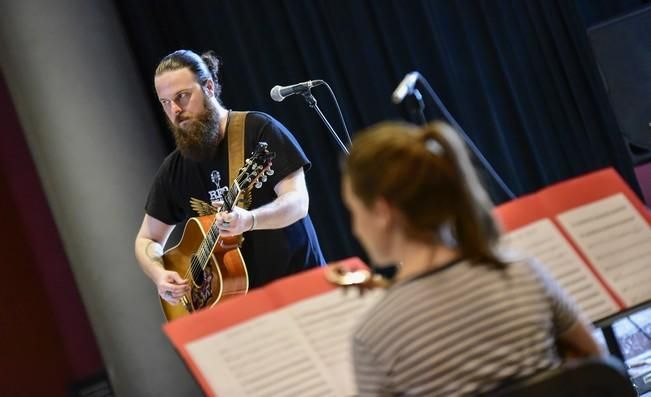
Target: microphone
{"x": 405, "y": 87}
{"x": 279, "y": 93}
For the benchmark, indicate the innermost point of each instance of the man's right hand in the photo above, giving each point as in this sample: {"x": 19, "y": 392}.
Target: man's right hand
{"x": 171, "y": 287}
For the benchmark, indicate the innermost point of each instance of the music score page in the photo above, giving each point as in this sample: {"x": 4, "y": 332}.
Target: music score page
{"x": 543, "y": 240}
{"x": 302, "y": 349}
{"x": 617, "y": 240}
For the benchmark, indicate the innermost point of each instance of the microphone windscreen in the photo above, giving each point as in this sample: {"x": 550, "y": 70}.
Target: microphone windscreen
{"x": 275, "y": 94}
{"x": 405, "y": 87}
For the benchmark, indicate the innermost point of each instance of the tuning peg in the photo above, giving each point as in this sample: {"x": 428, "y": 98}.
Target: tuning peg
{"x": 263, "y": 178}
{"x": 258, "y": 185}
{"x": 269, "y": 172}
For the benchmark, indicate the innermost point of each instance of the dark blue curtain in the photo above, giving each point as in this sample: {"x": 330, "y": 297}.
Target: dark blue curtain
{"x": 518, "y": 76}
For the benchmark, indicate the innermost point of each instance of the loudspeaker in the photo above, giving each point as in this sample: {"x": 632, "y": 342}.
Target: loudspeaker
{"x": 622, "y": 48}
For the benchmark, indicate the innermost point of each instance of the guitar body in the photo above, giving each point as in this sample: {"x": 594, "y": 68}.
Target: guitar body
{"x": 223, "y": 276}
{"x": 211, "y": 263}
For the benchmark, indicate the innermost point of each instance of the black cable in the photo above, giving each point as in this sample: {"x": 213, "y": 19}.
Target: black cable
{"x": 341, "y": 116}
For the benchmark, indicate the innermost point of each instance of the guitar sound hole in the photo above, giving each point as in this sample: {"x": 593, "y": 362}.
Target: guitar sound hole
{"x": 197, "y": 271}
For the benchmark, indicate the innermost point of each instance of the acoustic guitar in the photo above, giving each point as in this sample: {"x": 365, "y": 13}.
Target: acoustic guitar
{"x": 211, "y": 263}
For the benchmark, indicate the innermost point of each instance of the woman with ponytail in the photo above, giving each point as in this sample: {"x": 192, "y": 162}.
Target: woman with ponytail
{"x": 459, "y": 318}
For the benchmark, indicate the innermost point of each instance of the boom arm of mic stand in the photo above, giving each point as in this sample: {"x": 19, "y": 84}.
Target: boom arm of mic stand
{"x": 471, "y": 145}
{"x": 311, "y": 101}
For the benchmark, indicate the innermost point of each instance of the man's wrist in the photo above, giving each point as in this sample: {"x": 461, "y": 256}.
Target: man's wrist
{"x": 252, "y": 221}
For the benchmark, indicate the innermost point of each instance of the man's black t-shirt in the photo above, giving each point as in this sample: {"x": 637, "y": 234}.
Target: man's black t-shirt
{"x": 268, "y": 254}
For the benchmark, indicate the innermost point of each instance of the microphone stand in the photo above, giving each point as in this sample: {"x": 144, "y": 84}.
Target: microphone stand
{"x": 311, "y": 101}
{"x": 416, "y": 106}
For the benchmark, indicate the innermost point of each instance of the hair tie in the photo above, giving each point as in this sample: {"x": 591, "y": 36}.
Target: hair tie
{"x": 433, "y": 147}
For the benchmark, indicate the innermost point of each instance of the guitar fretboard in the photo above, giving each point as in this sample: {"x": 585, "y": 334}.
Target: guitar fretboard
{"x": 208, "y": 244}
{"x": 253, "y": 170}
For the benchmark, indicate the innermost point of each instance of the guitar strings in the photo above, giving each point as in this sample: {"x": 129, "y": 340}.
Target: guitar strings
{"x": 197, "y": 265}
{"x": 200, "y": 259}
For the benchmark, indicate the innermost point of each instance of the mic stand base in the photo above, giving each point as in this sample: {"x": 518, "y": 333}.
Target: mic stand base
{"x": 311, "y": 101}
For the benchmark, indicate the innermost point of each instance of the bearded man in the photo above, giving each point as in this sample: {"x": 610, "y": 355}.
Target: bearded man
{"x": 279, "y": 238}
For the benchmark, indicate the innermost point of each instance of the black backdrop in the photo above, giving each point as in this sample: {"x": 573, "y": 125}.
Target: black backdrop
{"x": 517, "y": 75}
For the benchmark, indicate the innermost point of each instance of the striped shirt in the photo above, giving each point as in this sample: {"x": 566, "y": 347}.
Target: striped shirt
{"x": 461, "y": 330}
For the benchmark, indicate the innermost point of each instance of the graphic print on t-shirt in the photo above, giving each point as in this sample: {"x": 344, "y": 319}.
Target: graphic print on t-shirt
{"x": 218, "y": 193}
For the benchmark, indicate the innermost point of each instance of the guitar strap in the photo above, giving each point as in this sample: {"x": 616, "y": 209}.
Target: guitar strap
{"x": 235, "y": 133}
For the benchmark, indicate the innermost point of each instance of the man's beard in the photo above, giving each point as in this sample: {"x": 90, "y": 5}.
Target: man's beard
{"x": 199, "y": 137}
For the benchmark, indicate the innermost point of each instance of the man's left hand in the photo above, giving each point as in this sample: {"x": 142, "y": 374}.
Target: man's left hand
{"x": 235, "y": 222}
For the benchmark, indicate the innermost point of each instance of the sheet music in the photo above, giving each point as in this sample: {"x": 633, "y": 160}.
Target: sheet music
{"x": 617, "y": 240}
{"x": 543, "y": 240}
{"x": 300, "y": 350}
{"x": 329, "y": 331}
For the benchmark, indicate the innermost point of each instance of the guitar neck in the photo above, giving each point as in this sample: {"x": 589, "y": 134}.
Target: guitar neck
{"x": 232, "y": 196}
{"x": 212, "y": 236}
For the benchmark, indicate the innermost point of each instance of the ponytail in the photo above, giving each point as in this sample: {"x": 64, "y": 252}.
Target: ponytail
{"x": 213, "y": 63}
{"x": 426, "y": 173}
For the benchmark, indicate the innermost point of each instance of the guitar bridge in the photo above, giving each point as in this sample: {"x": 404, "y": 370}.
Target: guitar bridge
{"x": 187, "y": 304}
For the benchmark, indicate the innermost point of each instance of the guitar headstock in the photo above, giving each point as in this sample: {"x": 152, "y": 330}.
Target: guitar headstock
{"x": 254, "y": 173}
